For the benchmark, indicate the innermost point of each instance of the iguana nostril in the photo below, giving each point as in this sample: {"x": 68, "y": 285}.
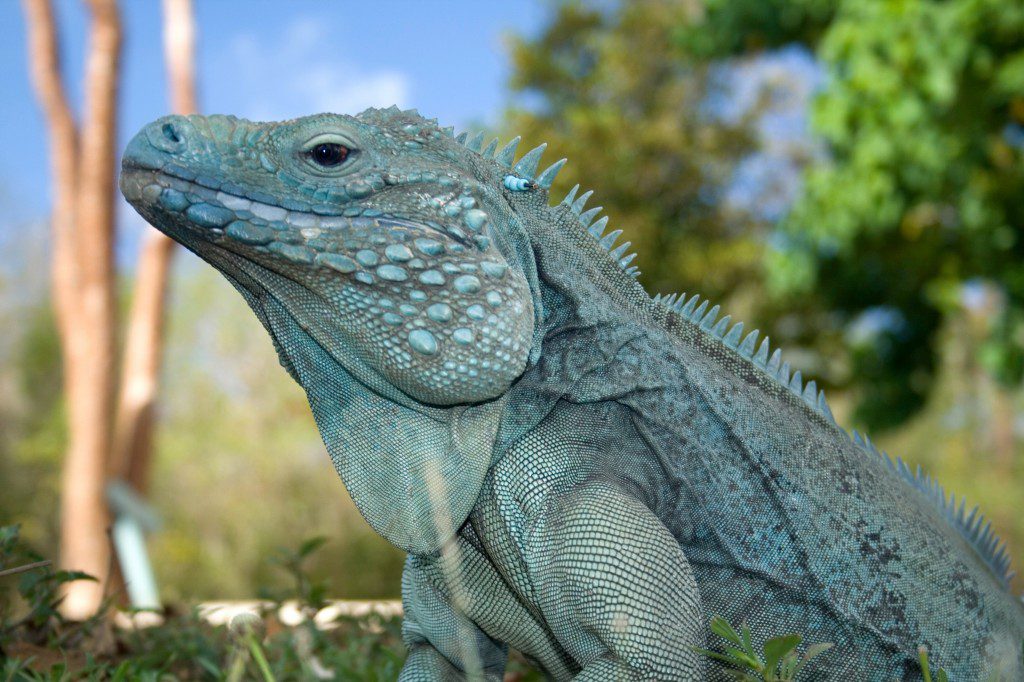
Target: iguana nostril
{"x": 171, "y": 133}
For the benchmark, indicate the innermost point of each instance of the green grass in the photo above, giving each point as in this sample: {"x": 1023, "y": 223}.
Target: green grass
{"x": 37, "y": 643}
{"x": 780, "y": 661}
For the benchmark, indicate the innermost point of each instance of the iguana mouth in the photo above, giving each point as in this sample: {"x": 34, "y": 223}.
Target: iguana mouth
{"x": 248, "y": 226}
{"x": 213, "y": 210}
{"x": 428, "y": 296}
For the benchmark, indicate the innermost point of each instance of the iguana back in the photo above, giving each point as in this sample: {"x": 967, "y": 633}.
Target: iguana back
{"x": 798, "y": 525}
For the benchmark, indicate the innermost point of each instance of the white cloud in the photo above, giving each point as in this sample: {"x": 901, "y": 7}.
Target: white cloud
{"x": 302, "y": 72}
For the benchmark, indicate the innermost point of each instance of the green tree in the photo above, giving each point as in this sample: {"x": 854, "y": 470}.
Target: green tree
{"x": 33, "y": 433}
{"x": 32, "y": 423}
{"x": 920, "y": 194}
{"x": 609, "y": 89}
{"x": 238, "y": 443}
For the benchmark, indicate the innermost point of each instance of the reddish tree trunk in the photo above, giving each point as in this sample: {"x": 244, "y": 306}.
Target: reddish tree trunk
{"x": 83, "y": 280}
{"x": 133, "y": 449}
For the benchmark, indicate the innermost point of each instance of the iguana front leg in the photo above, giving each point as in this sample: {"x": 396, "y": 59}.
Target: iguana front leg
{"x": 443, "y": 643}
{"x": 616, "y": 588}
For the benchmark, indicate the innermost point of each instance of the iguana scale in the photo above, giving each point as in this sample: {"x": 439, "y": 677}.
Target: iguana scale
{"x": 576, "y": 469}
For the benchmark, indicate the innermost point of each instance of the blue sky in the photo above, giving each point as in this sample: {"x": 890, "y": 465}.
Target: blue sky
{"x": 268, "y": 60}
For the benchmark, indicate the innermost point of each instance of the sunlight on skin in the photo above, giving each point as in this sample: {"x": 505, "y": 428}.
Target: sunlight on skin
{"x": 561, "y": 455}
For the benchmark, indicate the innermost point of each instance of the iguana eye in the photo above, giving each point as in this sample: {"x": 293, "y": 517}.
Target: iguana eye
{"x": 328, "y": 154}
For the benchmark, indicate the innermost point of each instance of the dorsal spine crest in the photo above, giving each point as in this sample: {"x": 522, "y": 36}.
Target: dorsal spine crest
{"x": 972, "y": 525}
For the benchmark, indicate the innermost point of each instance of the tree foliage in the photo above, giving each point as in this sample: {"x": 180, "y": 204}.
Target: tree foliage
{"x": 609, "y": 89}
{"x": 923, "y": 116}
{"x": 729, "y": 27}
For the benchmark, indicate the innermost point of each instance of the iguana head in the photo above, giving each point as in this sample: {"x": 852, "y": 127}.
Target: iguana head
{"x": 370, "y": 215}
{"x": 389, "y": 267}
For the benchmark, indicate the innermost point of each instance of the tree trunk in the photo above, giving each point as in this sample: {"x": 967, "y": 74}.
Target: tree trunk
{"x": 83, "y": 281}
{"x": 133, "y": 448}
{"x": 84, "y": 519}
{"x": 141, "y": 367}
{"x": 179, "y": 53}
{"x": 44, "y": 64}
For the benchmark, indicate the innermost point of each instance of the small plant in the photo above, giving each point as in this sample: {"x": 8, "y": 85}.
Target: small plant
{"x": 39, "y": 592}
{"x": 248, "y": 630}
{"x": 310, "y": 593}
{"x": 38, "y": 645}
{"x": 926, "y": 670}
{"x": 779, "y": 661}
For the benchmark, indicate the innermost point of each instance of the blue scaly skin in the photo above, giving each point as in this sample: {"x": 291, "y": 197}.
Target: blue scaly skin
{"x": 577, "y": 470}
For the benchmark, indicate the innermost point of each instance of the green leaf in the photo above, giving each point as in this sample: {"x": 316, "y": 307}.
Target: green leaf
{"x": 120, "y": 673}
{"x": 751, "y": 661}
{"x": 72, "y": 576}
{"x": 9, "y": 536}
{"x": 788, "y": 667}
{"x": 813, "y": 651}
{"x": 721, "y": 627}
{"x": 776, "y": 648}
{"x": 718, "y": 657}
{"x": 1010, "y": 79}
{"x": 748, "y": 646}
{"x": 922, "y": 657}
{"x": 260, "y": 658}
{"x": 817, "y": 649}
{"x": 311, "y": 545}
{"x": 209, "y": 666}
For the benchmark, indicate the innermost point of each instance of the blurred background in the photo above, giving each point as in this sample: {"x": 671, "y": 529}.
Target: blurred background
{"x": 846, "y": 175}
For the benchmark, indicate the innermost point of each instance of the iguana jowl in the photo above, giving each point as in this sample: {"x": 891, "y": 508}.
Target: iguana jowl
{"x": 577, "y": 470}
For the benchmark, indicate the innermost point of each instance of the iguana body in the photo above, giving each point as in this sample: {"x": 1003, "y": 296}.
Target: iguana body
{"x": 577, "y": 470}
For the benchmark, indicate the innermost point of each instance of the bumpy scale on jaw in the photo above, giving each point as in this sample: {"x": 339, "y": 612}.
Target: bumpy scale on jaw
{"x": 420, "y": 288}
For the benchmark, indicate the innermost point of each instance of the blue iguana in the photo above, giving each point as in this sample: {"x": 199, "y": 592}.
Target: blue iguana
{"x": 577, "y": 470}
